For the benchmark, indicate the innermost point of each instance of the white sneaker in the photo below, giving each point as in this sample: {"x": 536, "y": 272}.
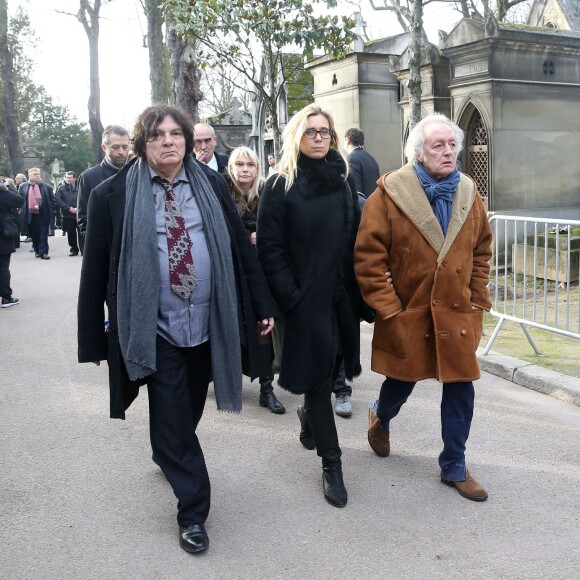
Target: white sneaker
{"x": 343, "y": 406}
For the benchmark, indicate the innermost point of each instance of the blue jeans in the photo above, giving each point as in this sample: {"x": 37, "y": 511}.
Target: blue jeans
{"x": 457, "y": 404}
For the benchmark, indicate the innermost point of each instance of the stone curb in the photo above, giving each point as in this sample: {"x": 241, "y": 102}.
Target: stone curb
{"x": 532, "y": 376}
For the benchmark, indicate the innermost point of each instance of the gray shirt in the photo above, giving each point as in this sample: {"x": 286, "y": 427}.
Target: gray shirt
{"x": 183, "y": 323}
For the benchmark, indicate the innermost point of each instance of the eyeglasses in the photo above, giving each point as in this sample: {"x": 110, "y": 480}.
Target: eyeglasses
{"x": 324, "y": 133}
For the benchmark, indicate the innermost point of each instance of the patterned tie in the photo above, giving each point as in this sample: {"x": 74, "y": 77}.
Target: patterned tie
{"x": 181, "y": 269}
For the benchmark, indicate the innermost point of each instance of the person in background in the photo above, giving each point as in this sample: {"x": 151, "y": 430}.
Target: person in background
{"x": 204, "y": 148}
{"x": 421, "y": 261}
{"x": 115, "y": 144}
{"x": 307, "y": 222}
{"x": 66, "y": 199}
{"x": 19, "y": 179}
{"x": 245, "y": 184}
{"x": 38, "y": 207}
{"x": 16, "y": 212}
{"x": 9, "y": 202}
{"x": 166, "y": 252}
{"x": 271, "y": 164}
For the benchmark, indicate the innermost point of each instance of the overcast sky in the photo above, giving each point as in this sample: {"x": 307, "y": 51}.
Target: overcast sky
{"x": 62, "y": 56}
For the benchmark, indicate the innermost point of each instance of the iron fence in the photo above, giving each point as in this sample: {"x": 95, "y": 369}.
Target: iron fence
{"x": 535, "y": 273}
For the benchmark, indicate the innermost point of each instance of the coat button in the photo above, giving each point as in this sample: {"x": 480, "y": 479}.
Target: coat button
{"x": 427, "y": 335}
{"x": 443, "y": 266}
{"x": 455, "y": 305}
{"x": 458, "y": 269}
{"x": 463, "y": 332}
{"x": 435, "y": 302}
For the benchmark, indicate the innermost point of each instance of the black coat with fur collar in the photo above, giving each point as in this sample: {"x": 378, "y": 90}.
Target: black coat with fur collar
{"x": 305, "y": 244}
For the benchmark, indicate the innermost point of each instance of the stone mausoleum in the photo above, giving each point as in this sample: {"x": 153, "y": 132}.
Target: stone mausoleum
{"x": 514, "y": 90}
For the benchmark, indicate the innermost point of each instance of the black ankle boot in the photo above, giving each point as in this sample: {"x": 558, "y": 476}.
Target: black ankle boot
{"x": 334, "y": 491}
{"x": 305, "y": 433}
{"x": 321, "y": 420}
{"x": 268, "y": 398}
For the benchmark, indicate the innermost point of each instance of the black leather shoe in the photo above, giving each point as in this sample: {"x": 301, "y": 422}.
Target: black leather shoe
{"x": 333, "y": 484}
{"x": 306, "y": 437}
{"x": 73, "y": 253}
{"x": 193, "y": 539}
{"x": 268, "y": 399}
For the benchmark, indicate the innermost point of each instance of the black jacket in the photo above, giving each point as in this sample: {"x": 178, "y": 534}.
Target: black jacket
{"x": 48, "y": 203}
{"x": 99, "y": 278}
{"x": 87, "y": 181}
{"x": 9, "y": 201}
{"x": 364, "y": 170}
{"x": 305, "y": 244}
{"x": 66, "y": 197}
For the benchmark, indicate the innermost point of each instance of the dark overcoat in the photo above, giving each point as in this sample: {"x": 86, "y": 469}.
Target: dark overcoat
{"x": 99, "y": 278}
{"x": 9, "y": 201}
{"x": 305, "y": 240}
{"x": 426, "y": 324}
{"x": 364, "y": 170}
{"x": 47, "y": 209}
{"x": 87, "y": 181}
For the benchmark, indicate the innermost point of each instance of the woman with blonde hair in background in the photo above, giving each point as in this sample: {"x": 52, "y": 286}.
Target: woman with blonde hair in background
{"x": 244, "y": 182}
{"x": 307, "y": 224}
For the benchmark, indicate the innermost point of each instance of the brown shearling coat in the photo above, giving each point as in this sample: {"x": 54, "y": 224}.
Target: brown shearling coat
{"x": 425, "y": 324}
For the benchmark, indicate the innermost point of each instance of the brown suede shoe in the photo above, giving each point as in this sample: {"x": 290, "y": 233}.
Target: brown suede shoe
{"x": 469, "y": 488}
{"x": 378, "y": 437}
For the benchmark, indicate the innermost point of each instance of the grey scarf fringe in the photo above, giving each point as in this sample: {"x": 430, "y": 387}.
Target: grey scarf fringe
{"x": 139, "y": 285}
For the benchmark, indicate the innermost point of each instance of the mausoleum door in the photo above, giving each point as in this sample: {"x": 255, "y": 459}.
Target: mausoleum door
{"x": 477, "y": 155}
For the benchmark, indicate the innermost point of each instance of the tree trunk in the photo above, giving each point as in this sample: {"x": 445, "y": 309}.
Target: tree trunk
{"x": 272, "y": 100}
{"x": 414, "y": 85}
{"x": 88, "y": 16}
{"x": 159, "y": 71}
{"x": 9, "y": 96}
{"x": 185, "y": 88}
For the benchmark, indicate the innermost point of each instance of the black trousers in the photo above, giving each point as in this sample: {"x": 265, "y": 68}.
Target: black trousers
{"x": 5, "y": 290}
{"x": 39, "y": 233}
{"x": 70, "y": 228}
{"x": 177, "y": 393}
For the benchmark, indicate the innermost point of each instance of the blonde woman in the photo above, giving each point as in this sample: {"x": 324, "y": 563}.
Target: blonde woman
{"x": 307, "y": 223}
{"x": 244, "y": 181}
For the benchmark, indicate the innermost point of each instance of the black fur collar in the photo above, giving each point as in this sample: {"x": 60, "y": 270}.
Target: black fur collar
{"x": 321, "y": 176}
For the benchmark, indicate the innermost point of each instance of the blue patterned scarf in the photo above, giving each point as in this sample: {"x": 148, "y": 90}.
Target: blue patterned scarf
{"x": 439, "y": 193}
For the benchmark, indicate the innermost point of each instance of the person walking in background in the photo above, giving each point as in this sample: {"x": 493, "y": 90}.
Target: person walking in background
{"x": 365, "y": 172}
{"x": 19, "y": 179}
{"x": 271, "y": 164}
{"x": 166, "y": 251}
{"x": 38, "y": 207}
{"x": 307, "y": 222}
{"x": 9, "y": 202}
{"x": 66, "y": 199}
{"x": 426, "y": 225}
{"x": 204, "y": 148}
{"x": 115, "y": 144}
{"x": 16, "y": 212}
{"x": 363, "y": 166}
{"x": 245, "y": 184}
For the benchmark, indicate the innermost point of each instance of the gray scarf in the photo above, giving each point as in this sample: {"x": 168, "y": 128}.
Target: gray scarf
{"x": 139, "y": 284}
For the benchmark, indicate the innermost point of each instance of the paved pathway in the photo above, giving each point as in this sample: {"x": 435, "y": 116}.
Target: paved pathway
{"x": 80, "y": 497}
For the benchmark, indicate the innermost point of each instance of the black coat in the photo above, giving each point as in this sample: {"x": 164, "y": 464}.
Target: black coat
{"x": 9, "y": 202}
{"x": 66, "y": 197}
{"x": 99, "y": 278}
{"x": 222, "y": 161}
{"x": 305, "y": 244}
{"x": 86, "y": 182}
{"x": 364, "y": 170}
{"x": 47, "y": 209}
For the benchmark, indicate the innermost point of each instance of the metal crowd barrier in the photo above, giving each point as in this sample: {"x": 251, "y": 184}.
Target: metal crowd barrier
{"x": 535, "y": 272}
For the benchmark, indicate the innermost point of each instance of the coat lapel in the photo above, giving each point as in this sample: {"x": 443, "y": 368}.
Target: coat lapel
{"x": 405, "y": 189}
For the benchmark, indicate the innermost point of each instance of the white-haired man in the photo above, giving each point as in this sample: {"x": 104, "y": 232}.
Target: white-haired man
{"x": 204, "y": 145}
{"x": 426, "y": 227}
